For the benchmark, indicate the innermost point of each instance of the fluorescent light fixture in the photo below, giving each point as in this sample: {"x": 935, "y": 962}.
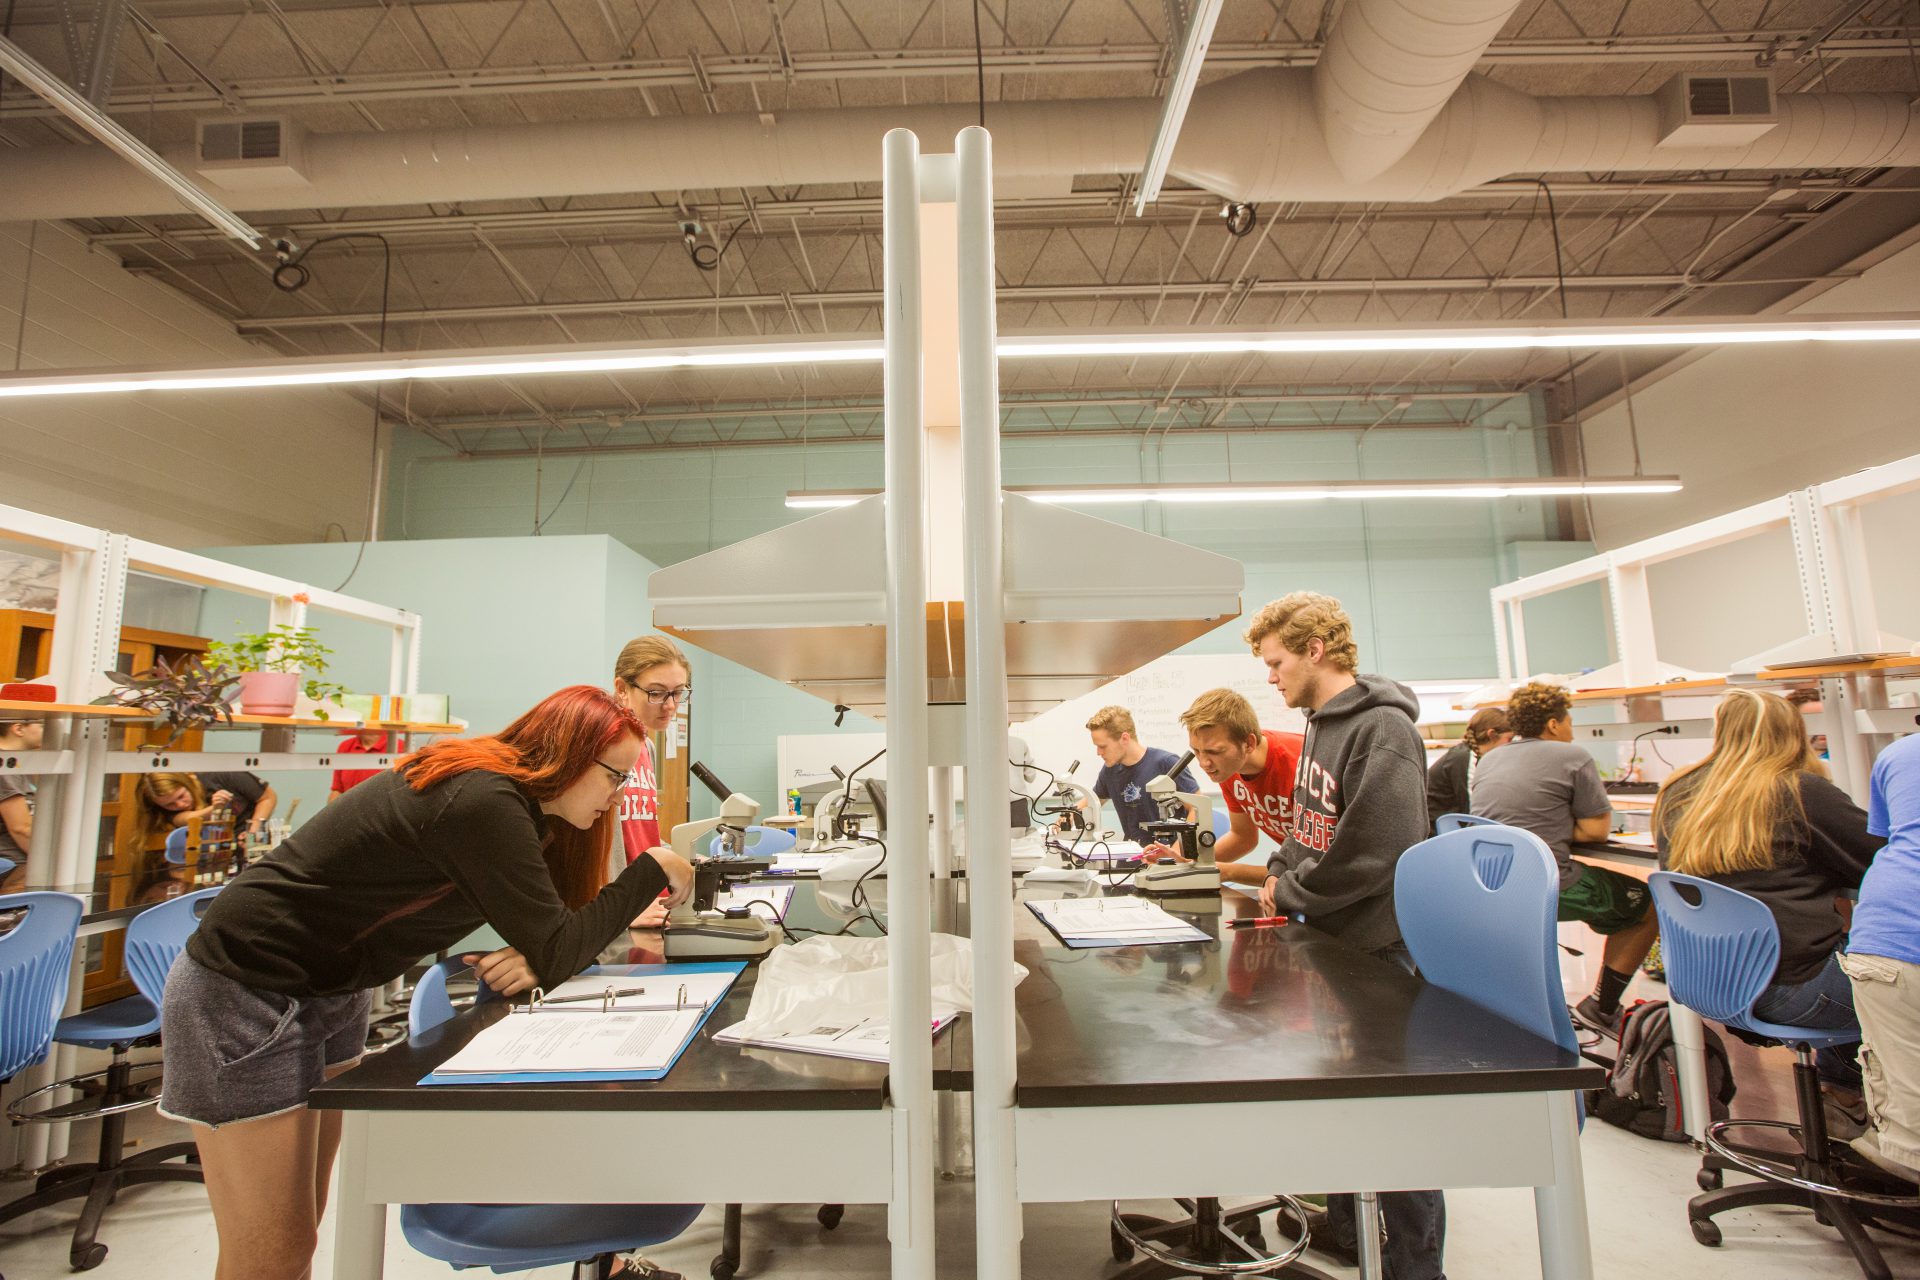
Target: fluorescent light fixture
{"x": 1293, "y": 491}
{"x": 746, "y": 352}
{"x": 1590, "y": 335}
{"x": 76, "y": 108}
{"x": 335, "y": 370}
{"x": 1180, "y": 87}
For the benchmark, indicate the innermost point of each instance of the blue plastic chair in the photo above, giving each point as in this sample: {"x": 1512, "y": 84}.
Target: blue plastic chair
{"x": 1454, "y": 821}
{"x": 36, "y": 957}
{"x": 1720, "y": 948}
{"x": 155, "y": 938}
{"x": 519, "y": 1237}
{"x": 176, "y": 852}
{"x": 761, "y": 842}
{"x": 1477, "y": 907}
{"x": 1221, "y": 823}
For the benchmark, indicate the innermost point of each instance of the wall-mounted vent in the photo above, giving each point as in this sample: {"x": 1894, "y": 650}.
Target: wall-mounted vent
{"x": 244, "y": 152}
{"x": 1715, "y": 110}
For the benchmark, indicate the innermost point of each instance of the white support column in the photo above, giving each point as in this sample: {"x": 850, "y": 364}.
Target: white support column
{"x": 1517, "y": 628}
{"x": 1633, "y": 623}
{"x": 412, "y": 673}
{"x": 1560, "y": 1208}
{"x": 989, "y": 846}
{"x": 1824, "y": 597}
{"x": 910, "y": 1224}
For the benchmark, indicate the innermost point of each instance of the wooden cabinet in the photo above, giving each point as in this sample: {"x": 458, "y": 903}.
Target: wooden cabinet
{"x": 123, "y": 872}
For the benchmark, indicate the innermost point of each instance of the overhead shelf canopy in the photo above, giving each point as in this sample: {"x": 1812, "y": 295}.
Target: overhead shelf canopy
{"x": 1086, "y": 602}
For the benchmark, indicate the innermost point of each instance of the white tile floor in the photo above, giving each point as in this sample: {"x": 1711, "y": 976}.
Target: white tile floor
{"x": 1636, "y": 1192}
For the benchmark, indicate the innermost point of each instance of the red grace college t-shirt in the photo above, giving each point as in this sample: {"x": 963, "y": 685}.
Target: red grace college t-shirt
{"x": 1267, "y": 798}
{"x": 640, "y": 805}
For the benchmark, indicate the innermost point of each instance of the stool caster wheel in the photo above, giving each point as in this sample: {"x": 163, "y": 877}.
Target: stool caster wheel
{"x": 1705, "y": 1231}
{"x": 830, "y": 1215}
{"x": 1122, "y": 1250}
{"x": 721, "y": 1269}
{"x": 88, "y": 1258}
{"x": 1709, "y": 1179}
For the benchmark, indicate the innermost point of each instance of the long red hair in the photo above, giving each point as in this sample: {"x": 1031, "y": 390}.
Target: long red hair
{"x": 545, "y": 751}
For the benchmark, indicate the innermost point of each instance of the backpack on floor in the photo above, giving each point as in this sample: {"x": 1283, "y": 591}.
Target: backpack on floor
{"x": 1643, "y": 1086}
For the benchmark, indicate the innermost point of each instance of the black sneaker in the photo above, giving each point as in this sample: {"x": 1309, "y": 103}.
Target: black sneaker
{"x": 1589, "y": 1014}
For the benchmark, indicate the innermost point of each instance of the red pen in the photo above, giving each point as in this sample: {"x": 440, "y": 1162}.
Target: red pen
{"x": 1259, "y": 922}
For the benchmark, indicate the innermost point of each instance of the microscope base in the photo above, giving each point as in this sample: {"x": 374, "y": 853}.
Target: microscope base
{"x": 1179, "y": 879}
{"x": 720, "y": 940}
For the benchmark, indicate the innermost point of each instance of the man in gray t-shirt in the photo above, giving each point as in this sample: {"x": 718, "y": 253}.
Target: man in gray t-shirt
{"x": 1541, "y": 782}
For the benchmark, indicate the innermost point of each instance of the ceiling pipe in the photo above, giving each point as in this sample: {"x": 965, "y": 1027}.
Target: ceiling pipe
{"x": 1388, "y": 68}
{"x": 1252, "y": 137}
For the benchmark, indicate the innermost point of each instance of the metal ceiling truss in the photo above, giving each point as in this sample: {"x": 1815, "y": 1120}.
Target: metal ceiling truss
{"x": 705, "y": 73}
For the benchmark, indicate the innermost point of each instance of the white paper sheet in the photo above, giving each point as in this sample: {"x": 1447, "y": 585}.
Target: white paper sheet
{"x": 586, "y": 993}
{"x": 589, "y": 1042}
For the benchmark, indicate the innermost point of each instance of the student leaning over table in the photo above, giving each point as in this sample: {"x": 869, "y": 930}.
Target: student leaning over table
{"x": 16, "y": 801}
{"x": 1359, "y": 802}
{"x": 651, "y": 678}
{"x": 271, "y": 995}
{"x": 1254, "y": 769}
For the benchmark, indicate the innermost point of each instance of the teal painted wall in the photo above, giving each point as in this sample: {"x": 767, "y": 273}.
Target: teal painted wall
{"x": 1415, "y": 575}
{"x": 507, "y": 620}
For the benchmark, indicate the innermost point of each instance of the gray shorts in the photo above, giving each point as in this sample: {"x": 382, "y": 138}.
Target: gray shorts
{"x": 232, "y": 1052}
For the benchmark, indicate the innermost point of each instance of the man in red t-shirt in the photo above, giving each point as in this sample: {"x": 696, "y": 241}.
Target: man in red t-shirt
{"x": 1253, "y": 767}
{"x": 363, "y": 742}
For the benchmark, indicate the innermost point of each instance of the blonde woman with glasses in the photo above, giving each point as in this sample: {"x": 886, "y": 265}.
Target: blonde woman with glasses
{"x": 652, "y": 679}
{"x": 1756, "y": 815}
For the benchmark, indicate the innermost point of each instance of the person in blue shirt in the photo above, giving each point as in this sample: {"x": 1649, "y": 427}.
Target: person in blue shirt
{"x": 1126, "y": 766}
{"x": 1883, "y": 960}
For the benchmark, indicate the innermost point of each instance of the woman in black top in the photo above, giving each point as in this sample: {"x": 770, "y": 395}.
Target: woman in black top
{"x": 1450, "y": 780}
{"x": 1757, "y": 815}
{"x": 271, "y": 995}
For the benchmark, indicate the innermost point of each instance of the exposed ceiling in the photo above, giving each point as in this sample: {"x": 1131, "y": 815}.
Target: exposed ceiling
{"x": 807, "y": 259}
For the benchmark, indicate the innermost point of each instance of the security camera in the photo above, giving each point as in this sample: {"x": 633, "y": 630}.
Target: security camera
{"x": 689, "y": 231}
{"x": 285, "y": 247}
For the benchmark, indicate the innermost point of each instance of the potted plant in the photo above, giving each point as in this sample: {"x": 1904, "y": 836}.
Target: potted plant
{"x": 270, "y": 664}
{"x": 187, "y": 695}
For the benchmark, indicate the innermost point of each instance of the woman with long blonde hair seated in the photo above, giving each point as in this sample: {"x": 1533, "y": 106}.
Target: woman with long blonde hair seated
{"x": 1758, "y": 815}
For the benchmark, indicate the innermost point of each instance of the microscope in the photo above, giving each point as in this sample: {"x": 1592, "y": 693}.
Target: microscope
{"x": 1193, "y": 836}
{"x": 692, "y": 936}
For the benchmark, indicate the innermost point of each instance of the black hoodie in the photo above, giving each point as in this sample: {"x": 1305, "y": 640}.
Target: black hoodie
{"x": 1359, "y": 802}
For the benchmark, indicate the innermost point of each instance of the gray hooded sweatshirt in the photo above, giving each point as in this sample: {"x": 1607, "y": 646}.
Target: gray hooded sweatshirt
{"x": 1359, "y": 802}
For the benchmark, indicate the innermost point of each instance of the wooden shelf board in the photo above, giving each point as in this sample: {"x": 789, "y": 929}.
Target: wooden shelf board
{"x": 72, "y": 709}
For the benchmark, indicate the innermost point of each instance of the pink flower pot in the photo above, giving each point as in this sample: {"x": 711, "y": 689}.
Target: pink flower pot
{"x": 269, "y": 693}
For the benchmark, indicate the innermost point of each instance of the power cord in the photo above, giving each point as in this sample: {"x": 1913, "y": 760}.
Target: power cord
{"x": 291, "y": 276}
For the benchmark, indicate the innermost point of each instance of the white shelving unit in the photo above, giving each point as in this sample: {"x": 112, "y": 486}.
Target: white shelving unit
{"x": 77, "y": 757}
{"x": 1830, "y": 559}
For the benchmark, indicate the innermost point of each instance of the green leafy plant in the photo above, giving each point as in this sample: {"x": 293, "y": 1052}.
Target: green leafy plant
{"x": 284, "y": 649}
{"x": 188, "y": 695}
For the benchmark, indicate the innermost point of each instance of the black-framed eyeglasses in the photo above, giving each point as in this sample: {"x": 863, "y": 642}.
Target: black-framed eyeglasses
{"x": 619, "y": 776}
{"x": 660, "y": 697}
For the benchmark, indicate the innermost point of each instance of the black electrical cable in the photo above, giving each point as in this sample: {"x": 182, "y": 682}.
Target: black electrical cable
{"x": 1573, "y": 379}
{"x": 979, "y": 67}
{"x": 291, "y": 276}
{"x": 712, "y": 261}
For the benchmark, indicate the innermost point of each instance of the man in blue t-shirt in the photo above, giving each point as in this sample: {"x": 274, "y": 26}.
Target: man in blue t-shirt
{"x": 1127, "y": 765}
{"x": 1883, "y": 960}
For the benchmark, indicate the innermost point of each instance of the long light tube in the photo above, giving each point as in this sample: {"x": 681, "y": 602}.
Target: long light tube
{"x": 616, "y": 358}
{"x": 333, "y": 371}
{"x": 1300, "y": 491}
{"x": 1173, "y": 113}
{"x": 116, "y": 139}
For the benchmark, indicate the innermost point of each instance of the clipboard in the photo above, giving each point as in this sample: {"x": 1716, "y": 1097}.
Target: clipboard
{"x": 619, "y": 975}
{"x": 1175, "y": 931}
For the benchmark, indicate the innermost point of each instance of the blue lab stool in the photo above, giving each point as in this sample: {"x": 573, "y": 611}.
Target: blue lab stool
{"x": 155, "y": 938}
{"x": 519, "y": 1237}
{"x": 1721, "y": 947}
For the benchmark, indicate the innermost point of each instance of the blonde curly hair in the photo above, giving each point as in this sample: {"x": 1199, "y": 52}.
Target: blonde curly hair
{"x": 1304, "y": 616}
